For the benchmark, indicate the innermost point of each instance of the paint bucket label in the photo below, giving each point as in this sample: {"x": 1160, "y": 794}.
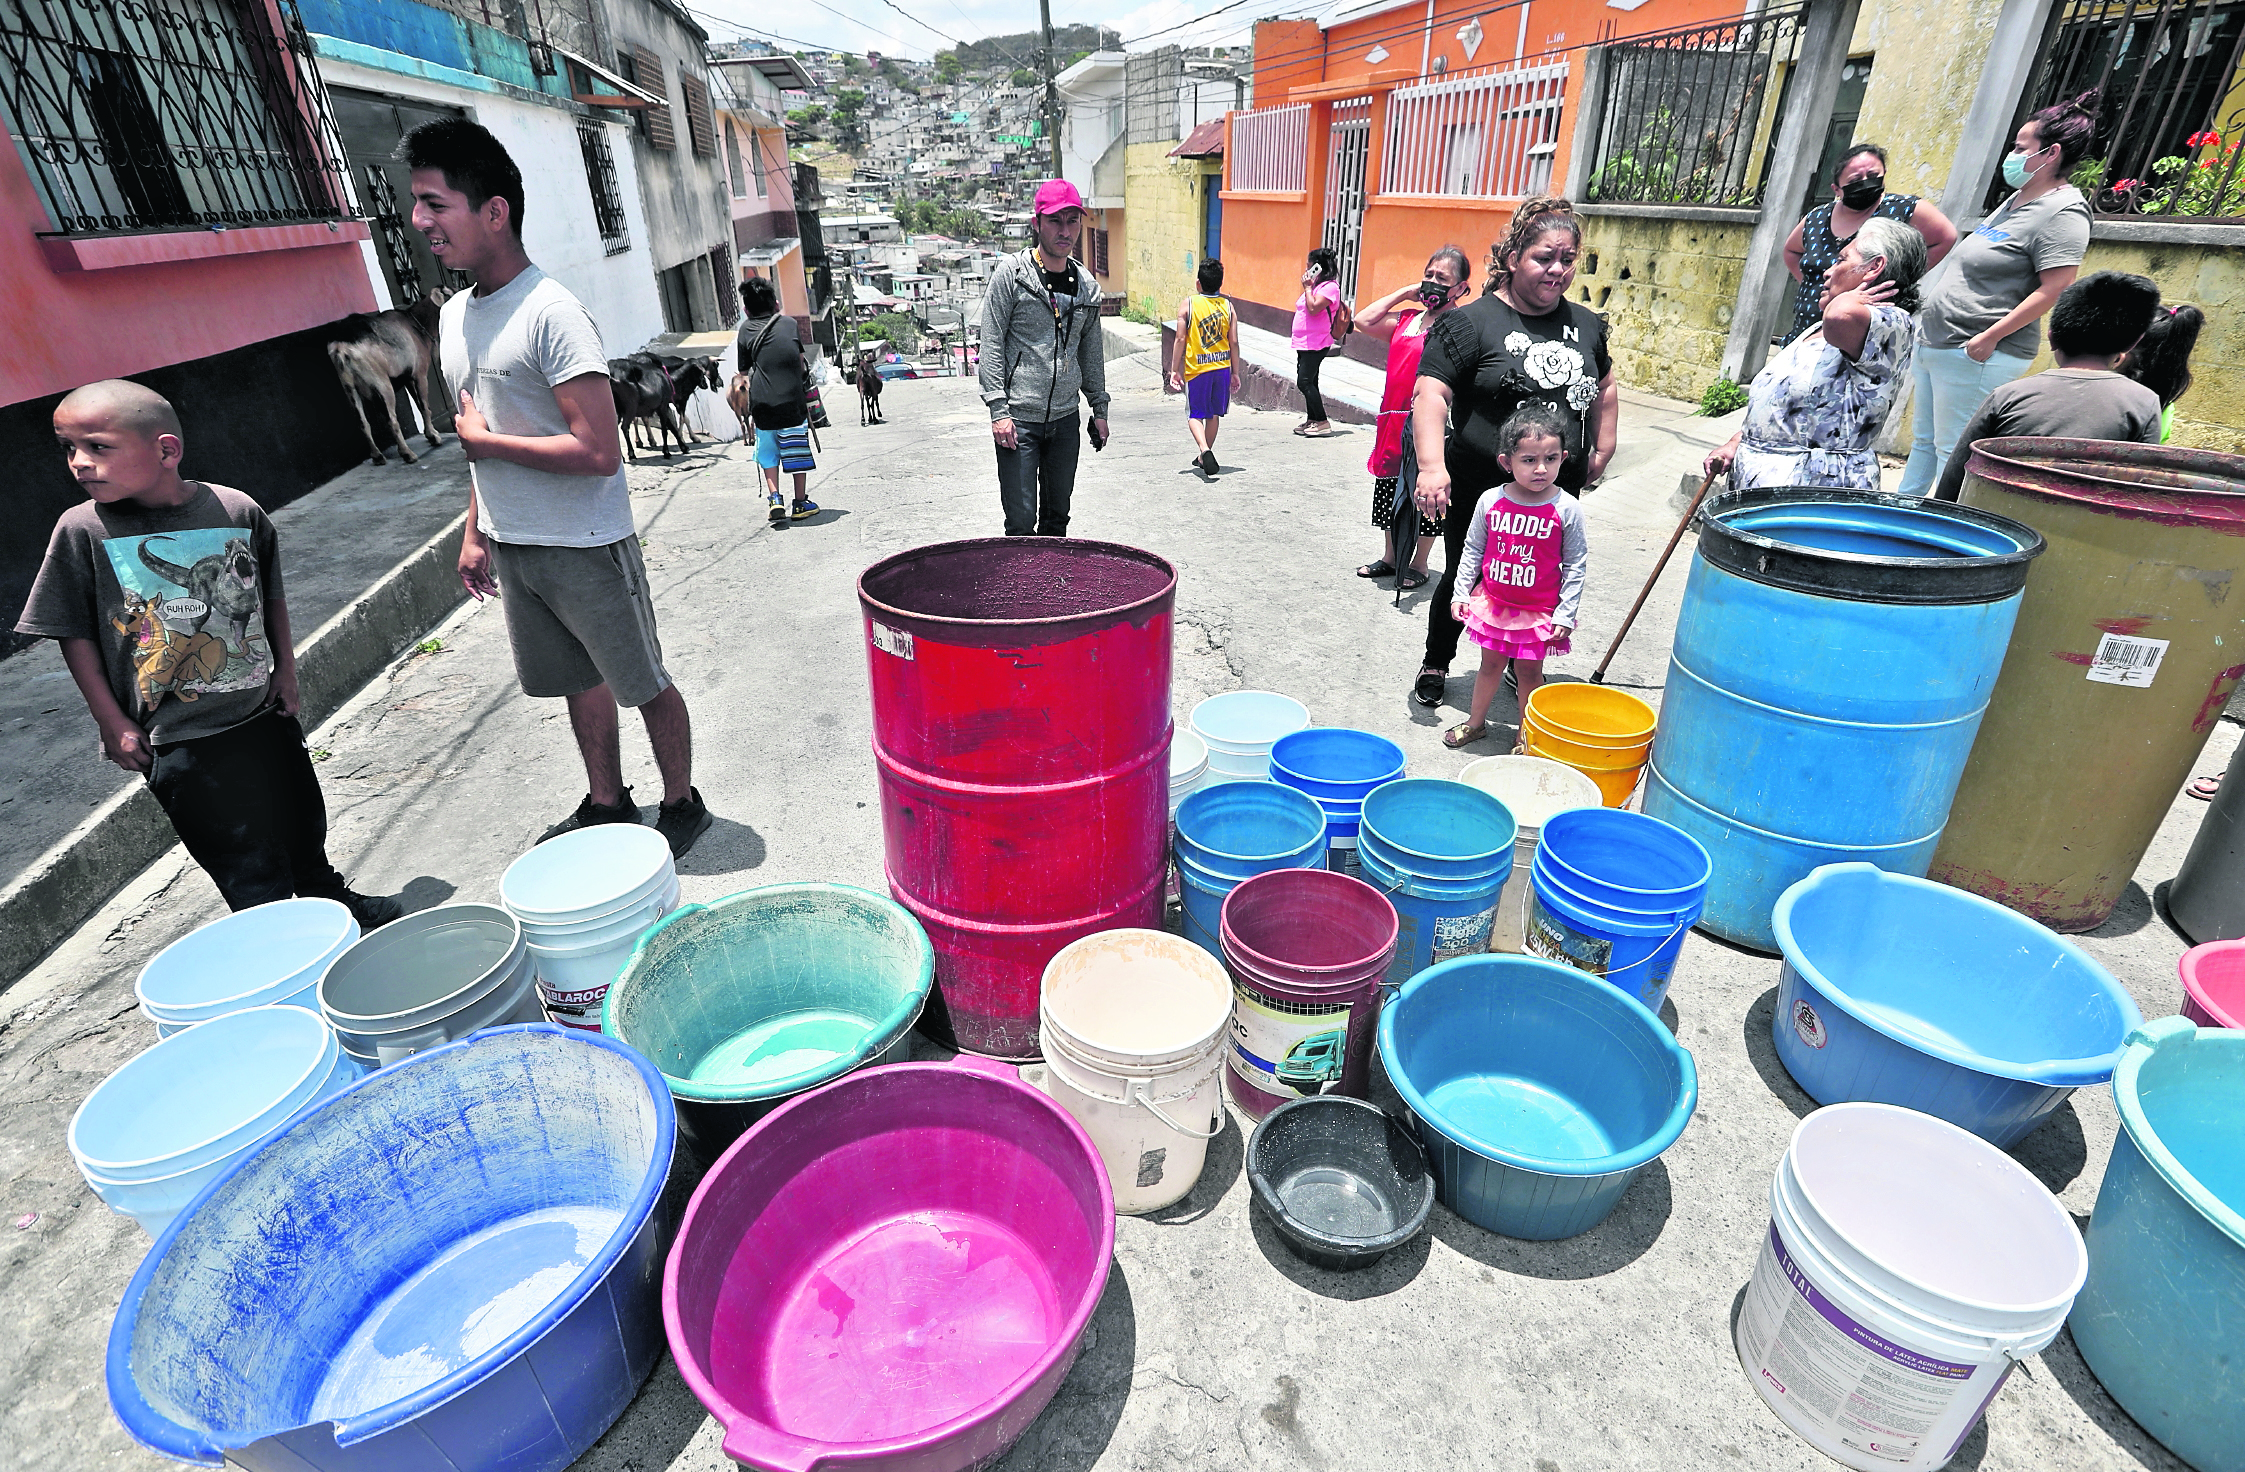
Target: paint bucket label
{"x": 1809, "y": 1025}
{"x": 577, "y": 1009}
{"x": 1462, "y": 935}
{"x": 1554, "y": 939}
{"x": 1862, "y": 1391}
{"x": 1291, "y": 1049}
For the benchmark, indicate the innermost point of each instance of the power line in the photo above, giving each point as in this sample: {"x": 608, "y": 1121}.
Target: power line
{"x": 908, "y": 15}
{"x": 1181, "y": 25}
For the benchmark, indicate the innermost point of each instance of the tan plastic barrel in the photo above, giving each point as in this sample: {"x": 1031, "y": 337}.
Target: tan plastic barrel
{"x": 2130, "y": 638}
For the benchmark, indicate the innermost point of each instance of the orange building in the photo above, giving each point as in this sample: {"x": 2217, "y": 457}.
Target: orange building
{"x": 1398, "y": 130}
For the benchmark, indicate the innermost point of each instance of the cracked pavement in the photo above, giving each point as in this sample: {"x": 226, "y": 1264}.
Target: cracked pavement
{"x": 1212, "y": 1346}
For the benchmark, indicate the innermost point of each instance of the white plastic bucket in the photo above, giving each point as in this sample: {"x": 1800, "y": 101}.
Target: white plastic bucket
{"x": 267, "y": 955}
{"x": 169, "y": 1121}
{"x": 1909, "y": 1265}
{"x": 573, "y": 979}
{"x": 427, "y": 979}
{"x": 629, "y": 921}
{"x": 587, "y": 873}
{"x": 1133, "y": 1028}
{"x": 1240, "y": 727}
{"x": 1188, "y": 764}
{"x": 1533, "y": 789}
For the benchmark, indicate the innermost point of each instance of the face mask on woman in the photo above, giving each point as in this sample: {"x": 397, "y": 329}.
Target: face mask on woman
{"x": 2015, "y": 169}
{"x": 1861, "y": 194}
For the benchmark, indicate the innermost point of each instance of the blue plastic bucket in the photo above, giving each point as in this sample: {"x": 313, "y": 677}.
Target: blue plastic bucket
{"x": 1620, "y": 907}
{"x": 1898, "y": 990}
{"x": 2161, "y": 1320}
{"x": 1538, "y": 1092}
{"x": 1441, "y": 852}
{"x": 1338, "y": 767}
{"x": 1234, "y": 831}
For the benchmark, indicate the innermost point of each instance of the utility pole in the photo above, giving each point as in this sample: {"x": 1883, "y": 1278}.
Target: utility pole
{"x": 1052, "y": 92}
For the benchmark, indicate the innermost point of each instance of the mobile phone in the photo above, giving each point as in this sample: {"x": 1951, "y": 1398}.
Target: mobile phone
{"x": 1098, "y": 436}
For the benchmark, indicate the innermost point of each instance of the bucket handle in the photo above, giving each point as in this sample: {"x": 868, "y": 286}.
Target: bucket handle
{"x": 1656, "y": 950}
{"x": 1139, "y": 1096}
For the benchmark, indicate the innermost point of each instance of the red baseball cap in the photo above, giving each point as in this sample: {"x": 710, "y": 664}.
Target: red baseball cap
{"x": 1055, "y": 195}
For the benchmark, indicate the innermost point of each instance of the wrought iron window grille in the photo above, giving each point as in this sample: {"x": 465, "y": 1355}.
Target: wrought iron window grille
{"x": 607, "y": 198}
{"x": 1691, "y": 115}
{"x": 158, "y": 115}
{"x": 2170, "y": 135}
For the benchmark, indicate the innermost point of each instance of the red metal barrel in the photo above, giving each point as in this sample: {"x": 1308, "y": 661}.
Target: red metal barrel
{"x": 1021, "y": 726}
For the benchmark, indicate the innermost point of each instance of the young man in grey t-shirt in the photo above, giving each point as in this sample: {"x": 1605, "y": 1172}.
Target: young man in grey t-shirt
{"x": 549, "y": 518}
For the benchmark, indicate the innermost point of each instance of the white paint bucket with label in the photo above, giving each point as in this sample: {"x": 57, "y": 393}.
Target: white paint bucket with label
{"x": 1909, "y": 1265}
{"x": 1133, "y": 1025}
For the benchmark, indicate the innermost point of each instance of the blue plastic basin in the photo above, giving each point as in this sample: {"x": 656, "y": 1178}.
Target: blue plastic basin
{"x": 1898, "y": 990}
{"x": 2161, "y": 1319}
{"x": 453, "y": 1263}
{"x": 1539, "y": 1091}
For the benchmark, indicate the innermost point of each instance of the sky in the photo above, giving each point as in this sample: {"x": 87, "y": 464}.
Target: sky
{"x": 920, "y": 28}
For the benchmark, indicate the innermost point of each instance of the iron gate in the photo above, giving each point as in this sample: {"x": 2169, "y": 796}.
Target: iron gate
{"x": 1345, "y": 169}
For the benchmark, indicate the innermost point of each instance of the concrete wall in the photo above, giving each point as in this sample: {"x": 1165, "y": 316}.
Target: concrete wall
{"x": 1926, "y": 67}
{"x": 1667, "y": 289}
{"x": 686, "y": 197}
{"x": 558, "y": 226}
{"x": 1166, "y": 202}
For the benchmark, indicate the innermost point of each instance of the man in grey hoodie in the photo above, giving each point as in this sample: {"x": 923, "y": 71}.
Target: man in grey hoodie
{"x": 1041, "y": 347}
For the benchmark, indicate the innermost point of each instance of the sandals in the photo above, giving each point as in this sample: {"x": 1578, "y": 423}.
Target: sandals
{"x": 1314, "y": 434}
{"x": 1427, "y": 690}
{"x": 1381, "y": 569}
{"x": 1463, "y": 734}
{"x": 2205, "y": 788}
{"x": 1413, "y": 577}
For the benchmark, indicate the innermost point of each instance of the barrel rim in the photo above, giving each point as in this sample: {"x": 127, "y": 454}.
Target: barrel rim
{"x": 2143, "y": 1045}
{"x": 2072, "y": 486}
{"x": 1860, "y": 576}
{"x": 1164, "y": 595}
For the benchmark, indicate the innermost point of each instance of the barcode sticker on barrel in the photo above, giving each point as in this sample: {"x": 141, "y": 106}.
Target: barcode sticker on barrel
{"x": 2120, "y": 660}
{"x": 892, "y": 641}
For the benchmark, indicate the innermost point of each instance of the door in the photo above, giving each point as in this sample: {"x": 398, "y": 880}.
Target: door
{"x": 1350, "y": 154}
{"x": 1212, "y": 217}
{"x": 371, "y": 126}
{"x": 1847, "y": 110}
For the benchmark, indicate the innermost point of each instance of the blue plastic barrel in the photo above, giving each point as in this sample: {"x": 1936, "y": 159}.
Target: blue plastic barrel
{"x": 1441, "y": 852}
{"x": 2161, "y": 1319}
{"x": 1834, "y": 655}
{"x": 1612, "y": 892}
{"x": 1339, "y": 768}
{"x": 1538, "y": 1092}
{"x": 1234, "y": 831}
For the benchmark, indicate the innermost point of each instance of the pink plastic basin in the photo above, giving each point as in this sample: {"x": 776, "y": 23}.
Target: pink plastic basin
{"x": 2214, "y": 983}
{"x": 892, "y": 1273}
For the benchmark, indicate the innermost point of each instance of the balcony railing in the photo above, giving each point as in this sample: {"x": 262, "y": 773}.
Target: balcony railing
{"x": 143, "y": 115}
{"x": 1689, "y": 113}
{"x": 2169, "y": 130}
{"x": 1485, "y": 136}
{"x": 1270, "y": 148}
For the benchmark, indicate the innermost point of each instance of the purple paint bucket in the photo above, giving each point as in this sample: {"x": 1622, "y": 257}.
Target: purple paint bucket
{"x": 1306, "y": 949}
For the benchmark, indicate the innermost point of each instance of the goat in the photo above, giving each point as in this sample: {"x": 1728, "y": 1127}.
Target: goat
{"x": 643, "y": 389}
{"x": 374, "y": 355}
{"x": 868, "y": 379}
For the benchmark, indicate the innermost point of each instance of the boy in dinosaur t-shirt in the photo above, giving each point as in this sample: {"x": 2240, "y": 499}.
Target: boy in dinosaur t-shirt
{"x": 165, "y": 595}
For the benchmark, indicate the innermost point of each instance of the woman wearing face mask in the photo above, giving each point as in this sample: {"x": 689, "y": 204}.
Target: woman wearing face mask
{"x": 1859, "y": 194}
{"x": 1520, "y": 340}
{"x": 1982, "y": 322}
{"x": 1413, "y": 310}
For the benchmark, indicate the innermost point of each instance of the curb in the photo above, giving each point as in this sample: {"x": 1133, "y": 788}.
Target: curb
{"x": 124, "y": 835}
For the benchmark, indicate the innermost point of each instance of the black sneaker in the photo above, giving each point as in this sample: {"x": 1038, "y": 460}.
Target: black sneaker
{"x": 682, "y": 822}
{"x": 1208, "y": 465}
{"x": 1428, "y": 690}
{"x": 591, "y": 814}
{"x": 372, "y": 911}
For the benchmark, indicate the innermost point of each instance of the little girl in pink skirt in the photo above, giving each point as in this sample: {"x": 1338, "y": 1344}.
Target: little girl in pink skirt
{"x": 1520, "y": 582}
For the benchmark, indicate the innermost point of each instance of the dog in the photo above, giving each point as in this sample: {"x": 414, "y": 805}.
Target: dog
{"x": 375, "y": 354}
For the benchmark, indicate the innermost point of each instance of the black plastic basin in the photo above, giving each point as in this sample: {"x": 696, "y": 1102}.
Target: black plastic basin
{"x": 1342, "y": 1181}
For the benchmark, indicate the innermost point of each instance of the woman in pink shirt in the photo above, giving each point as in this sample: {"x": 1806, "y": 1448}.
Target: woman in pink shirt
{"x": 1316, "y": 311}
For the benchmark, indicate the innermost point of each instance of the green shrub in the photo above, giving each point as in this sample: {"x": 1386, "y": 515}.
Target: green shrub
{"x": 1722, "y": 397}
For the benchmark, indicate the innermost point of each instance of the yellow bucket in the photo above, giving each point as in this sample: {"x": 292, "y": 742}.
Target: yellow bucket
{"x": 1595, "y": 716}
{"x": 1615, "y": 771}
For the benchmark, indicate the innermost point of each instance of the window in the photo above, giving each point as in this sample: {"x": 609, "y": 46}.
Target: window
{"x": 728, "y": 290}
{"x": 607, "y": 199}
{"x": 1095, "y": 249}
{"x": 701, "y": 126}
{"x": 733, "y": 160}
{"x": 644, "y": 69}
{"x": 170, "y": 115}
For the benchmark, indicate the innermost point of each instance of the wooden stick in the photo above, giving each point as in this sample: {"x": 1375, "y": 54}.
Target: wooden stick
{"x": 1598, "y": 676}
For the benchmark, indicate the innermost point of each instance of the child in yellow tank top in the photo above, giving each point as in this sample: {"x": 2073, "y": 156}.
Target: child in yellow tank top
{"x": 1200, "y": 363}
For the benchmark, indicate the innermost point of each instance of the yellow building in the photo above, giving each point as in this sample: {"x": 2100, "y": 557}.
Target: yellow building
{"x": 1176, "y": 214}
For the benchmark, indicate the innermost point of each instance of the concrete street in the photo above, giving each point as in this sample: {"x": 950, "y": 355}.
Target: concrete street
{"x": 1213, "y": 1347}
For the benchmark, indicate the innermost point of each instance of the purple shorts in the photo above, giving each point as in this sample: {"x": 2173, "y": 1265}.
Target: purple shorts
{"x": 1210, "y": 395}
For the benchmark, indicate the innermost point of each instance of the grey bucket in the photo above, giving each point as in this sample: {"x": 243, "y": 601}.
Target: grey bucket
{"x": 428, "y": 979}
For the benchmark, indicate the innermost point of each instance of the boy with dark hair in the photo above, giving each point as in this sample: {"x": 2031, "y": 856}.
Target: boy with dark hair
{"x": 549, "y": 515}
{"x": 1200, "y": 365}
{"x": 2097, "y": 320}
{"x": 165, "y": 595}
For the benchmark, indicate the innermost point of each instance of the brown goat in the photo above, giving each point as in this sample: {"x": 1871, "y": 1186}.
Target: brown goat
{"x": 376, "y": 355}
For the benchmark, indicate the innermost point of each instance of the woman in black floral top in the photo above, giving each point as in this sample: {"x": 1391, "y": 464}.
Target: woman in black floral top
{"x": 1858, "y": 193}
